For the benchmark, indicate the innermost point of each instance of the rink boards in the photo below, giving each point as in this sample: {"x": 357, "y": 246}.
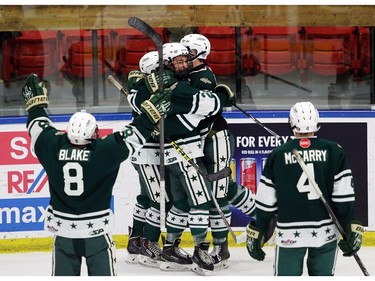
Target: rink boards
{"x": 24, "y": 185}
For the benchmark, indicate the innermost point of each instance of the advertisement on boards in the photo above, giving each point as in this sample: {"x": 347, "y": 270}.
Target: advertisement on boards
{"x": 24, "y": 192}
{"x": 23, "y": 184}
{"x": 253, "y": 144}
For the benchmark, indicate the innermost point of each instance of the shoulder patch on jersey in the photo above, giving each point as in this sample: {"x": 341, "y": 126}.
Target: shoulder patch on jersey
{"x": 205, "y": 80}
{"x": 59, "y": 133}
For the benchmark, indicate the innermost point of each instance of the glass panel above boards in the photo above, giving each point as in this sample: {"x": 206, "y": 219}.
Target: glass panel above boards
{"x": 268, "y": 67}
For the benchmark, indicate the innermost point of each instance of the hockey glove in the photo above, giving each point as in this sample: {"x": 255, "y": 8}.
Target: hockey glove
{"x": 152, "y": 80}
{"x": 133, "y": 77}
{"x": 353, "y": 241}
{"x": 34, "y": 93}
{"x": 224, "y": 89}
{"x": 254, "y": 242}
{"x": 158, "y": 105}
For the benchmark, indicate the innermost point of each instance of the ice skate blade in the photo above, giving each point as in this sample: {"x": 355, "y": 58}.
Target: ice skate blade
{"x": 147, "y": 261}
{"x": 222, "y": 265}
{"x": 201, "y": 271}
{"x": 131, "y": 258}
{"x": 172, "y": 266}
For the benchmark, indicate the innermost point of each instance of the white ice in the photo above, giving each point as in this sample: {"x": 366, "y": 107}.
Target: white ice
{"x": 241, "y": 265}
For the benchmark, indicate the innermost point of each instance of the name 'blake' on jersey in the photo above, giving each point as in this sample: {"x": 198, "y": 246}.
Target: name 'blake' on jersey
{"x": 74, "y": 155}
{"x": 314, "y": 155}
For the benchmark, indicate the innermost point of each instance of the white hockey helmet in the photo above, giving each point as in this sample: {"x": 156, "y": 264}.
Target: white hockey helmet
{"x": 172, "y": 50}
{"x": 304, "y": 118}
{"x": 197, "y": 43}
{"x": 82, "y": 128}
{"x": 149, "y": 62}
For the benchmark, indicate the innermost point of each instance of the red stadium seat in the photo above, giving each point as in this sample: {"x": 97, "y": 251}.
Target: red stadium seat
{"x": 277, "y": 48}
{"x": 80, "y": 60}
{"x": 32, "y": 51}
{"x": 130, "y": 45}
{"x": 328, "y": 49}
{"x": 222, "y": 58}
{"x": 77, "y": 52}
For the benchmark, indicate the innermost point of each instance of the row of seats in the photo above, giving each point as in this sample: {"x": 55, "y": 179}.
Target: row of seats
{"x": 325, "y": 51}
{"x": 280, "y": 50}
{"x": 71, "y": 52}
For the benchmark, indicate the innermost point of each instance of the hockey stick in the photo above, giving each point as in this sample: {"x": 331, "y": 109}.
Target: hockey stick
{"x": 256, "y": 121}
{"x": 256, "y": 68}
{"x": 237, "y": 240}
{"x": 226, "y": 172}
{"x": 143, "y": 27}
{"x": 210, "y": 177}
{"x": 286, "y": 82}
{"x": 326, "y": 205}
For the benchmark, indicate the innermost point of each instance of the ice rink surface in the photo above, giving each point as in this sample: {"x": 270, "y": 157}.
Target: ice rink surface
{"x": 241, "y": 266}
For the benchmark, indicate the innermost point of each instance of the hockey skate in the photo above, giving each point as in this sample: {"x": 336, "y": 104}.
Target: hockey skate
{"x": 202, "y": 261}
{"x": 175, "y": 258}
{"x": 133, "y": 248}
{"x": 220, "y": 255}
{"x": 150, "y": 253}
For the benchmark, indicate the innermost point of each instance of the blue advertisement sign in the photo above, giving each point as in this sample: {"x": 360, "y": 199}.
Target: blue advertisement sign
{"x": 25, "y": 214}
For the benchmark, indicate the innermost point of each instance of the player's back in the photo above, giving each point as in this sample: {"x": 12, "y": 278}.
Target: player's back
{"x": 296, "y": 198}
{"x": 80, "y": 179}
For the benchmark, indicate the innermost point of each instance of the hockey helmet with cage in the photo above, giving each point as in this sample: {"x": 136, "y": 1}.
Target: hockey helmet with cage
{"x": 173, "y": 50}
{"x": 149, "y": 62}
{"x": 304, "y": 118}
{"x": 197, "y": 43}
{"x": 82, "y": 128}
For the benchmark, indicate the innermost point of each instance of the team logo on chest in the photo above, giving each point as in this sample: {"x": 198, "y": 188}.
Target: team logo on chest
{"x": 304, "y": 143}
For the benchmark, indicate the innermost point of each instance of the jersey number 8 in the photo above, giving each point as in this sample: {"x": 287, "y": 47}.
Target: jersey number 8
{"x": 73, "y": 179}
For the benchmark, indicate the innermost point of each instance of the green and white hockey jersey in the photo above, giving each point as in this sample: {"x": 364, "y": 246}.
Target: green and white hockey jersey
{"x": 81, "y": 179}
{"x": 284, "y": 189}
{"x": 189, "y": 107}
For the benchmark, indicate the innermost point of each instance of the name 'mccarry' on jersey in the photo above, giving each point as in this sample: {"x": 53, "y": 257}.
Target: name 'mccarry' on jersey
{"x": 284, "y": 189}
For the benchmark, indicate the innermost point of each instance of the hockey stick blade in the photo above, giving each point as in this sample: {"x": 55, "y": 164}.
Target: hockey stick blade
{"x": 226, "y": 172}
{"x": 141, "y": 26}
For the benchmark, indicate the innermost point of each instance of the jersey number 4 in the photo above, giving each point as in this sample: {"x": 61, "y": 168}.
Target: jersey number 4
{"x": 304, "y": 185}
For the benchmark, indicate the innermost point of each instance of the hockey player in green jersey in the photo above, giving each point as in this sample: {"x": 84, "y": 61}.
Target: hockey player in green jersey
{"x": 82, "y": 169}
{"x": 303, "y": 223}
{"x": 148, "y": 158}
{"x": 144, "y": 234}
{"x": 218, "y": 152}
{"x": 189, "y": 106}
